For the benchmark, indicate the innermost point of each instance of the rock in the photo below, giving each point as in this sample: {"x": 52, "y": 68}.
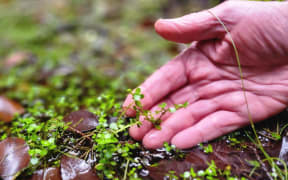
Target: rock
{"x": 82, "y": 120}
{"x": 50, "y": 173}
{"x": 8, "y": 109}
{"x": 76, "y": 169}
{"x": 14, "y": 157}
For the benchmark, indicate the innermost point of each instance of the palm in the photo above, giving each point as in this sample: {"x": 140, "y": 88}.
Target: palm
{"x": 210, "y": 81}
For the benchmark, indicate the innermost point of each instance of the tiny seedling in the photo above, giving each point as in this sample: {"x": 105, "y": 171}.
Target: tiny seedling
{"x": 153, "y": 117}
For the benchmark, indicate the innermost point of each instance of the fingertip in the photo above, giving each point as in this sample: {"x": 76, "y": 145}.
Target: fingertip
{"x": 169, "y": 30}
{"x": 134, "y": 133}
{"x": 181, "y": 142}
{"x": 159, "y": 26}
{"x": 177, "y": 142}
{"x": 151, "y": 142}
{"x": 138, "y": 132}
{"x": 192, "y": 27}
{"x": 127, "y": 106}
{"x": 155, "y": 138}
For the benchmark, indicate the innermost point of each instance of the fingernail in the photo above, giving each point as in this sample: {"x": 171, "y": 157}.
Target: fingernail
{"x": 152, "y": 141}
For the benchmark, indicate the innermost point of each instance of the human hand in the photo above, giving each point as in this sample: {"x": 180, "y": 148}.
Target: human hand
{"x": 206, "y": 75}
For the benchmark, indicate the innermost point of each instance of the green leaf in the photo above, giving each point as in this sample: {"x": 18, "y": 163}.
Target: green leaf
{"x": 158, "y": 127}
{"x": 34, "y": 161}
{"x": 186, "y": 174}
{"x": 163, "y": 105}
{"x": 172, "y": 109}
{"x": 201, "y": 173}
{"x": 254, "y": 163}
{"x": 192, "y": 172}
{"x": 137, "y": 97}
{"x": 208, "y": 149}
{"x": 138, "y": 91}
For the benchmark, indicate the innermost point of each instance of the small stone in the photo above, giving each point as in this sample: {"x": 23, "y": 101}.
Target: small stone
{"x": 82, "y": 120}
{"x": 76, "y": 169}
{"x": 13, "y": 157}
{"x": 8, "y": 109}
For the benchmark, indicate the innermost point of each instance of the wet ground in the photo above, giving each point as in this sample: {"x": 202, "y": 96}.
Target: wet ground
{"x": 234, "y": 152}
{"x": 58, "y": 56}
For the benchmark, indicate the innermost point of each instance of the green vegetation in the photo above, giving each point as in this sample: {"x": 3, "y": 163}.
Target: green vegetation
{"x": 85, "y": 55}
{"x": 210, "y": 173}
{"x": 154, "y": 118}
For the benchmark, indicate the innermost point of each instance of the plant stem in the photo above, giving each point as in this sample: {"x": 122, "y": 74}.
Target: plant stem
{"x": 126, "y": 170}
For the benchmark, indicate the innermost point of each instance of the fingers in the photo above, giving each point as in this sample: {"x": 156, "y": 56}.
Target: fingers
{"x": 138, "y": 133}
{"x": 231, "y": 113}
{"x": 167, "y": 79}
{"x": 186, "y": 94}
{"x": 178, "y": 121}
{"x": 211, "y": 127}
{"x": 208, "y": 119}
{"x": 193, "y": 27}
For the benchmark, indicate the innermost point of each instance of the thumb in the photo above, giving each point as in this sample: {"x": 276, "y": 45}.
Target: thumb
{"x": 193, "y": 27}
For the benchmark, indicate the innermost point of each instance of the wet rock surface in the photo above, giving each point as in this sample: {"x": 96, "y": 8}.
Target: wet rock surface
{"x": 82, "y": 120}
{"x": 14, "y": 157}
{"x": 50, "y": 173}
{"x": 8, "y": 109}
{"x": 76, "y": 169}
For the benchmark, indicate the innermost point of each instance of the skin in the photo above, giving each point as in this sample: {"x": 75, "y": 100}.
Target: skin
{"x": 207, "y": 76}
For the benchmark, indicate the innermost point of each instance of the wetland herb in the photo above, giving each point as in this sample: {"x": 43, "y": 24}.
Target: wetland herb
{"x": 153, "y": 117}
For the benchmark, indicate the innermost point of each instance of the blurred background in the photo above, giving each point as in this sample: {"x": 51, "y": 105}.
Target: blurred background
{"x": 80, "y": 48}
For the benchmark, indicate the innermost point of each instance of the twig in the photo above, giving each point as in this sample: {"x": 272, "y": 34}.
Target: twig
{"x": 262, "y": 164}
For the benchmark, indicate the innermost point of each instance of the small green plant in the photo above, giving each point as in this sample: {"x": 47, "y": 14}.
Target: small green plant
{"x": 153, "y": 117}
{"x": 40, "y": 135}
{"x": 207, "y": 149}
{"x": 171, "y": 175}
{"x": 169, "y": 148}
{"x": 255, "y": 165}
{"x": 210, "y": 173}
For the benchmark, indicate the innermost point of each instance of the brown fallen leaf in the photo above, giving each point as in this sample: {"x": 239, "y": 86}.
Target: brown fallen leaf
{"x": 82, "y": 120}
{"x": 8, "y": 109}
{"x": 13, "y": 157}
{"x": 76, "y": 169}
{"x": 51, "y": 173}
